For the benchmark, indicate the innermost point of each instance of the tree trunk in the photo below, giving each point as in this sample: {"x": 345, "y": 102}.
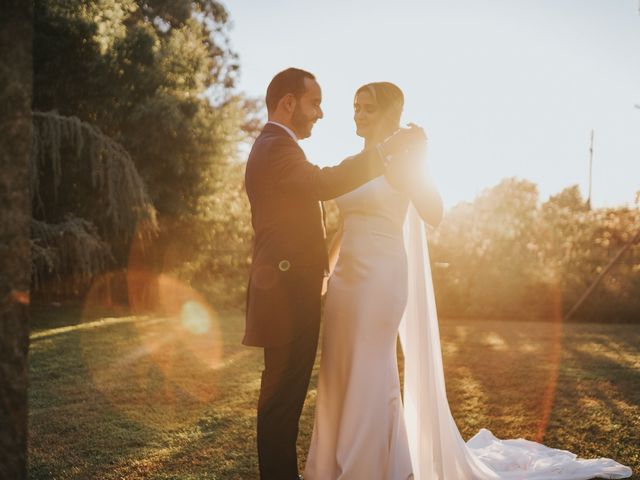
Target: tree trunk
{"x": 16, "y": 36}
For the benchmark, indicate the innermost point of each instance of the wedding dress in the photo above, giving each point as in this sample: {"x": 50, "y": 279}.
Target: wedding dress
{"x": 362, "y": 430}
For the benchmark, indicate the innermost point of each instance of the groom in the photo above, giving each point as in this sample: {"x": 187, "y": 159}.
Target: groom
{"x": 289, "y": 256}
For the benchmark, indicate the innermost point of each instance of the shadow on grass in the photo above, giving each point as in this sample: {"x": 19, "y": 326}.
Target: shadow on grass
{"x": 585, "y": 382}
{"x": 74, "y": 433}
{"x": 603, "y": 405}
{"x": 104, "y": 405}
{"x": 498, "y": 375}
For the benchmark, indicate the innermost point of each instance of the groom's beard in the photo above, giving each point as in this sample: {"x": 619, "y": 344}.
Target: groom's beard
{"x": 301, "y": 123}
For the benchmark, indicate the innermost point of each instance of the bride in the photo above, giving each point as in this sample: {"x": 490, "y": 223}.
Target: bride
{"x": 381, "y": 287}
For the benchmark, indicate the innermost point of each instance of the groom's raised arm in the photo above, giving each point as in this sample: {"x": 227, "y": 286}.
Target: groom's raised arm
{"x": 293, "y": 173}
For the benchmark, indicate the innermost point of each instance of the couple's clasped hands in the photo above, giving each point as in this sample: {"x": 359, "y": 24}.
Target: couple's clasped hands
{"x": 404, "y": 154}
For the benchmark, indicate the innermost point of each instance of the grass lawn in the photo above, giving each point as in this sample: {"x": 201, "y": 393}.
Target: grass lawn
{"x": 157, "y": 398}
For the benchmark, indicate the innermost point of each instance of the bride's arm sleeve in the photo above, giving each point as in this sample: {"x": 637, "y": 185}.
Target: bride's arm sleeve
{"x": 425, "y": 197}
{"x": 409, "y": 174}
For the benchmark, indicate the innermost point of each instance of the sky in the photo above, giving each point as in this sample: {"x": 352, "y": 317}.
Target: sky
{"x": 503, "y": 88}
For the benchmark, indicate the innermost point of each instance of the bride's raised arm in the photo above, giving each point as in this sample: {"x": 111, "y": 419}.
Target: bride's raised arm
{"x": 409, "y": 173}
{"x": 425, "y": 197}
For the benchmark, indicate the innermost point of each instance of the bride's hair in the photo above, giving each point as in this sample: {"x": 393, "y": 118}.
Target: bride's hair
{"x": 388, "y": 96}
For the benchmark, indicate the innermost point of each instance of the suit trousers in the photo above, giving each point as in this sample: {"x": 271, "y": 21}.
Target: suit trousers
{"x": 283, "y": 389}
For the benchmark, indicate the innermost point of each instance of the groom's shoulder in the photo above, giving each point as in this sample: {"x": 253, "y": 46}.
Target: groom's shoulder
{"x": 273, "y": 141}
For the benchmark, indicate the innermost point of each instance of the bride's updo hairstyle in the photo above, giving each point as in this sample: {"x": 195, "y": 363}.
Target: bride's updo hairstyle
{"x": 389, "y": 99}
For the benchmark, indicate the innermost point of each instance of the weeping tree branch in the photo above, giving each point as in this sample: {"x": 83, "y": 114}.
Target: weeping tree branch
{"x": 112, "y": 171}
{"x": 69, "y": 248}
{"x": 75, "y": 248}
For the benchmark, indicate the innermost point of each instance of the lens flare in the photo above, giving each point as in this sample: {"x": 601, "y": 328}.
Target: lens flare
{"x": 555, "y": 358}
{"x": 195, "y": 318}
{"x": 159, "y": 363}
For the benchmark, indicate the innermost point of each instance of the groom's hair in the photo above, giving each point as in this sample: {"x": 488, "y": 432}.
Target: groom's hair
{"x": 287, "y": 81}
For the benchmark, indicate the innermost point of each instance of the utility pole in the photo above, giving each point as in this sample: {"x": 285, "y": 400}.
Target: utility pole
{"x": 590, "y": 170}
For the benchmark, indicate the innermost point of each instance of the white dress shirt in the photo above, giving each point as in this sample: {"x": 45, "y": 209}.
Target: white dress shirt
{"x": 287, "y": 129}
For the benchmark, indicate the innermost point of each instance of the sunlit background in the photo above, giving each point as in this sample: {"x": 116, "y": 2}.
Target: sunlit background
{"x": 503, "y": 88}
{"x": 141, "y": 234}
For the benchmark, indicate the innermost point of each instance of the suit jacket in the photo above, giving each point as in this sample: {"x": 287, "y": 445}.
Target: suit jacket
{"x": 289, "y": 254}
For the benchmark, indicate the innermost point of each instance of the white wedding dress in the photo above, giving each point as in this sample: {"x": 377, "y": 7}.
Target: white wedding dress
{"x": 362, "y": 430}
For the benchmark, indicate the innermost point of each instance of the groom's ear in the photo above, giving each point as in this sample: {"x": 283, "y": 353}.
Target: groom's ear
{"x": 288, "y": 102}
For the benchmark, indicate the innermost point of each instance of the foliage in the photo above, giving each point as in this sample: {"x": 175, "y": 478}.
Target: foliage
{"x": 506, "y": 255}
{"x": 72, "y": 249}
{"x": 142, "y": 80}
{"x": 103, "y": 196}
{"x": 156, "y": 77}
{"x": 221, "y": 253}
{"x": 107, "y": 166}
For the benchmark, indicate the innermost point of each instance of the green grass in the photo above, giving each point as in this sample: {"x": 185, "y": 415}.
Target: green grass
{"x": 141, "y": 398}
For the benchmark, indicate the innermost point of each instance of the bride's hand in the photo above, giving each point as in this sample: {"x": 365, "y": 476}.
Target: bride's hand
{"x": 405, "y": 139}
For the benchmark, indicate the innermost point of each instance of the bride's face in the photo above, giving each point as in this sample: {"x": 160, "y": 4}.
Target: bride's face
{"x": 371, "y": 122}
{"x": 366, "y": 114}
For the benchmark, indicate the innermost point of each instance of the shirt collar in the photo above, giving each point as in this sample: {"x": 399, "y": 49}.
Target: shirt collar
{"x": 287, "y": 129}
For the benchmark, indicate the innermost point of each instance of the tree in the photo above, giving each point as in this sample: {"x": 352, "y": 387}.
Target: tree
{"x": 157, "y": 77}
{"x": 103, "y": 195}
{"x": 154, "y": 76}
{"x": 509, "y": 256}
{"x": 15, "y": 216}
{"x": 493, "y": 259}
